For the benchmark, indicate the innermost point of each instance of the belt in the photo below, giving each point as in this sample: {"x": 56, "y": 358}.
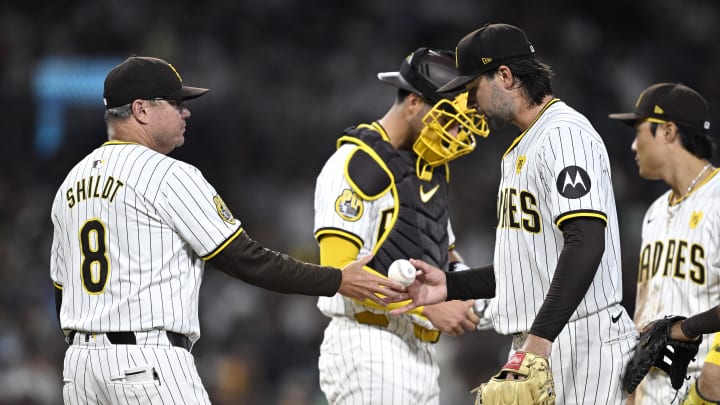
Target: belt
{"x": 128, "y": 338}
{"x": 422, "y": 333}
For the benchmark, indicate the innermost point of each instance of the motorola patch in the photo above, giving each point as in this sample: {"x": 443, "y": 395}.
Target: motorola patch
{"x": 573, "y": 182}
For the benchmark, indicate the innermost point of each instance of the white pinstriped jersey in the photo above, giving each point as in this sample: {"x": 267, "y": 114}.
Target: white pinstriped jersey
{"x": 557, "y": 169}
{"x": 679, "y": 268}
{"x": 132, "y": 227}
{"x": 363, "y": 225}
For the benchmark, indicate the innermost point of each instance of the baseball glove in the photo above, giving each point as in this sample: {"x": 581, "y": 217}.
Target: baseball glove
{"x": 536, "y": 388}
{"x": 655, "y": 348}
{"x": 694, "y": 397}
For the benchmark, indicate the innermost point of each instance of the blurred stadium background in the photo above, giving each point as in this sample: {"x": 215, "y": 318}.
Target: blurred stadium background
{"x": 286, "y": 77}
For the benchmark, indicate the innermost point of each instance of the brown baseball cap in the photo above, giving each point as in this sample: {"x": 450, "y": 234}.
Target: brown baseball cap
{"x": 145, "y": 77}
{"x": 487, "y": 48}
{"x": 674, "y": 102}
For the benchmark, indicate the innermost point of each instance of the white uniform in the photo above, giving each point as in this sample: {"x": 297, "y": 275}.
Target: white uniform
{"x": 132, "y": 228}
{"x": 556, "y": 170}
{"x": 679, "y": 273}
{"x": 359, "y": 363}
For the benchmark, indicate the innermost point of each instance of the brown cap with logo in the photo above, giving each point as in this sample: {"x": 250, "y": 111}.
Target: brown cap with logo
{"x": 674, "y": 102}
{"x": 145, "y": 78}
{"x": 487, "y": 48}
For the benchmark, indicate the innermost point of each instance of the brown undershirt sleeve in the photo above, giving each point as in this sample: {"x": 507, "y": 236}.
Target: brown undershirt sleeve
{"x": 578, "y": 262}
{"x": 247, "y": 260}
{"x": 702, "y": 323}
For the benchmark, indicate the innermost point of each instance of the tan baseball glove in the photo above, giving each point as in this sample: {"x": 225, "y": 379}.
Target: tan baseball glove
{"x": 533, "y": 383}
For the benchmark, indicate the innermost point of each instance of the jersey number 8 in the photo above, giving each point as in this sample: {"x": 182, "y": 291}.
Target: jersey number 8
{"x": 95, "y": 267}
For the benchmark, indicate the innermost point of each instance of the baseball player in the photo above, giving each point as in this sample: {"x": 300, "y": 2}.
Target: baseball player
{"x": 679, "y": 265}
{"x": 133, "y": 229}
{"x": 556, "y": 273}
{"x": 385, "y": 191}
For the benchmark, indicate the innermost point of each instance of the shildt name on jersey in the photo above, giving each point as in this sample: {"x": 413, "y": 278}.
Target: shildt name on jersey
{"x": 97, "y": 186}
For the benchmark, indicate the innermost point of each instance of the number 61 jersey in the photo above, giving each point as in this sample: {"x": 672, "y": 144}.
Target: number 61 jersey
{"x": 132, "y": 228}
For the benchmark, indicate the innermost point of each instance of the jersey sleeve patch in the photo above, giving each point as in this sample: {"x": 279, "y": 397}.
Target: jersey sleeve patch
{"x": 573, "y": 182}
{"x": 363, "y": 172}
{"x": 349, "y": 206}
{"x": 223, "y": 211}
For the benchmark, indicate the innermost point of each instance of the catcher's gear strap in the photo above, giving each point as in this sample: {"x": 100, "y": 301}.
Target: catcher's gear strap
{"x": 702, "y": 323}
{"x": 471, "y": 284}
{"x": 583, "y": 247}
{"x": 247, "y": 260}
{"x": 695, "y": 397}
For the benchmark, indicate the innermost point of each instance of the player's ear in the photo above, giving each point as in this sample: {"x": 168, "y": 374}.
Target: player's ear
{"x": 139, "y": 109}
{"x": 506, "y": 76}
{"x": 671, "y": 133}
{"x": 413, "y": 104}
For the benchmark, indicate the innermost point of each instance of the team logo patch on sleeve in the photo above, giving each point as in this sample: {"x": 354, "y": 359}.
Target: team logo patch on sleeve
{"x": 223, "y": 211}
{"x": 573, "y": 182}
{"x": 349, "y": 206}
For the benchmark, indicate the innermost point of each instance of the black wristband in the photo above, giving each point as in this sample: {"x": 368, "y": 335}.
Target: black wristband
{"x": 702, "y": 323}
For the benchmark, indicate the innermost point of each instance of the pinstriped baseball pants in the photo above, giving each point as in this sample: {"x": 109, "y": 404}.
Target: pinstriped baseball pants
{"x": 98, "y": 372}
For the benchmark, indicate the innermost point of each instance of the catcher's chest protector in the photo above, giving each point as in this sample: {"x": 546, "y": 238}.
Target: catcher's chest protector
{"x": 420, "y": 228}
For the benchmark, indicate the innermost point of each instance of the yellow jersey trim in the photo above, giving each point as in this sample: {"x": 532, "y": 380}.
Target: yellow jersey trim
{"x": 223, "y": 245}
{"x": 519, "y": 137}
{"x": 120, "y": 143}
{"x": 576, "y": 214}
{"x": 321, "y": 233}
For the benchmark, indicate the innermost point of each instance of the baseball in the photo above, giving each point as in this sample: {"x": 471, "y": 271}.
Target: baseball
{"x": 402, "y": 271}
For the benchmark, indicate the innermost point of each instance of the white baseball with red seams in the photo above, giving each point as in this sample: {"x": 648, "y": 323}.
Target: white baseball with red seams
{"x": 402, "y": 271}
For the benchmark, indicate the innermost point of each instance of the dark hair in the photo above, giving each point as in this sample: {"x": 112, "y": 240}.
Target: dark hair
{"x": 695, "y": 141}
{"x": 401, "y": 95}
{"x": 533, "y": 76}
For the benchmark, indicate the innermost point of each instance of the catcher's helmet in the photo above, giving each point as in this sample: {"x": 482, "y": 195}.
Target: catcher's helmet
{"x": 423, "y": 72}
{"x": 450, "y": 126}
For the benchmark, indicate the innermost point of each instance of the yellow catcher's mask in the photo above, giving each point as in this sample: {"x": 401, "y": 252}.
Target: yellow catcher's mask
{"x": 449, "y": 132}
